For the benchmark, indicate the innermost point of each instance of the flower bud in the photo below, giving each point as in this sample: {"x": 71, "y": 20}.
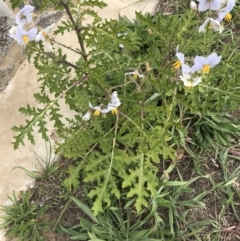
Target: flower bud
{"x": 193, "y": 6}
{"x": 87, "y": 116}
{"x": 12, "y": 30}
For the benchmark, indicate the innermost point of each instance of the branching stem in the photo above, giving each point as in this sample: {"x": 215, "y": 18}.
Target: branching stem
{"x": 76, "y": 29}
{"x": 67, "y": 47}
{"x": 67, "y": 63}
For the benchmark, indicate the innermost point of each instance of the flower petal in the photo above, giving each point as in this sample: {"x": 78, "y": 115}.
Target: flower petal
{"x": 32, "y": 33}
{"x": 197, "y": 67}
{"x": 200, "y": 59}
{"x": 90, "y": 105}
{"x": 39, "y": 37}
{"x": 203, "y": 6}
{"x": 203, "y": 27}
{"x": 180, "y": 56}
{"x": 206, "y": 4}
{"x": 87, "y": 116}
{"x": 196, "y": 81}
{"x": 213, "y": 59}
{"x": 186, "y": 69}
{"x": 26, "y": 12}
{"x": 199, "y": 62}
{"x": 215, "y": 4}
{"x": 48, "y": 47}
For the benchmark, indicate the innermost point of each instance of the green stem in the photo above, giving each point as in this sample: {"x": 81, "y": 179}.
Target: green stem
{"x": 60, "y": 216}
{"x": 172, "y": 104}
{"x": 76, "y": 29}
{"x": 67, "y": 47}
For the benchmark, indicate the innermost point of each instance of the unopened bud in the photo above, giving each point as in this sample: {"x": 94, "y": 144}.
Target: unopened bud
{"x": 149, "y": 31}
{"x": 12, "y": 30}
{"x": 87, "y": 116}
{"x": 193, "y": 6}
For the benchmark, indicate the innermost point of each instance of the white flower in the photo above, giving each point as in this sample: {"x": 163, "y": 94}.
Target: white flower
{"x": 224, "y": 13}
{"x": 193, "y": 6}
{"x": 12, "y": 30}
{"x": 97, "y": 109}
{"x": 204, "y": 64}
{"x": 113, "y": 109}
{"x": 208, "y": 4}
{"x": 105, "y": 111}
{"x": 22, "y": 36}
{"x": 113, "y": 105}
{"x": 180, "y": 60}
{"x": 24, "y": 15}
{"x": 189, "y": 81}
{"x": 180, "y": 63}
{"x": 115, "y": 100}
{"x": 122, "y": 34}
{"x": 87, "y": 116}
{"x": 44, "y": 37}
{"x": 135, "y": 74}
{"x": 213, "y": 24}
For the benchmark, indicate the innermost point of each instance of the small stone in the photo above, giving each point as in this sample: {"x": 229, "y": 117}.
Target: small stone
{"x": 48, "y": 19}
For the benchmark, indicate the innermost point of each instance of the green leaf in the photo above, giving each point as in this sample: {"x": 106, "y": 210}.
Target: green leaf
{"x": 15, "y": 3}
{"x": 173, "y": 183}
{"x": 33, "y": 174}
{"x": 137, "y": 180}
{"x": 94, "y": 238}
{"x": 84, "y": 208}
{"x": 72, "y": 181}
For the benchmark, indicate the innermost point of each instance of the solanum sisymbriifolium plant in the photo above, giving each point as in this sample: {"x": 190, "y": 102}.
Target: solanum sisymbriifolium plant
{"x": 138, "y": 90}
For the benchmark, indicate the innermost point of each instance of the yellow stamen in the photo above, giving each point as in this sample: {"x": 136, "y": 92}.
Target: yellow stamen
{"x": 189, "y": 87}
{"x": 177, "y": 65}
{"x": 44, "y": 34}
{"x": 148, "y": 67}
{"x": 25, "y": 39}
{"x": 114, "y": 111}
{"x": 228, "y": 17}
{"x": 206, "y": 68}
{"x": 96, "y": 113}
{"x": 135, "y": 75}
